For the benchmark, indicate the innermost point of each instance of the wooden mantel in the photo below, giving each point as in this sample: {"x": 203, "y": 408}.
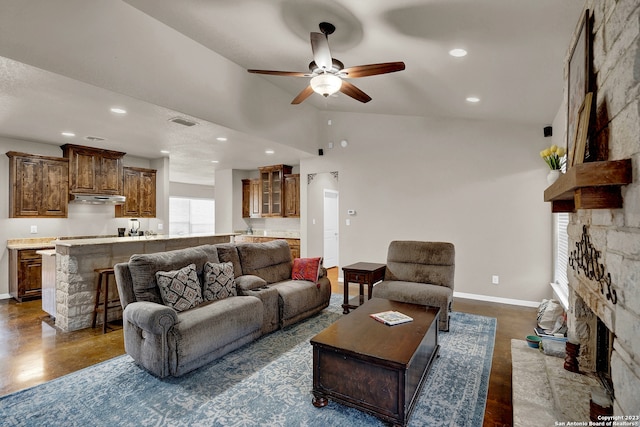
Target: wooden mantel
{"x": 593, "y": 185}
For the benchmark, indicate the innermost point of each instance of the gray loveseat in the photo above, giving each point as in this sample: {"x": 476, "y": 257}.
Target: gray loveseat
{"x": 169, "y": 342}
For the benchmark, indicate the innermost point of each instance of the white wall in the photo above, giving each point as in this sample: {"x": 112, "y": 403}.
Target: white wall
{"x": 476, "y": 184}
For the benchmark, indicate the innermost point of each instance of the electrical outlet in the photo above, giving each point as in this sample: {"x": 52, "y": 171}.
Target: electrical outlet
{"x": 495, "y": 279}
{"x": 34, "y": 229}
{"x": 160, "y": 226}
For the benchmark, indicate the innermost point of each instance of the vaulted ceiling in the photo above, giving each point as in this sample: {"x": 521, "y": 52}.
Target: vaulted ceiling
{"x": 64, "y": 63}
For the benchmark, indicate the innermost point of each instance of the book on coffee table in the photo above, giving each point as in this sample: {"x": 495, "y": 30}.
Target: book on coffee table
{"x": 391, "y": 317}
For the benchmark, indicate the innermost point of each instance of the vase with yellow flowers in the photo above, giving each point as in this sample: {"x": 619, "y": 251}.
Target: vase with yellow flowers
{"x": 554, "y": 157}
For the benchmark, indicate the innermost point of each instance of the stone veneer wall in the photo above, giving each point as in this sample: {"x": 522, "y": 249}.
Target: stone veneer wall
{"x": 614, "y": 232}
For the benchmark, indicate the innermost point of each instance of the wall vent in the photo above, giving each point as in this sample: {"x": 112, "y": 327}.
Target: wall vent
{"x": 182, "y": 121}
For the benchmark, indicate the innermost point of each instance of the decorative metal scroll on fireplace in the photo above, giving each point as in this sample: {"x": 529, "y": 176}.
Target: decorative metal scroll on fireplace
{"x": 586, "y": 258}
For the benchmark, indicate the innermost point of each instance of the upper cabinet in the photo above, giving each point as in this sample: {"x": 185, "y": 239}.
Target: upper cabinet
{"x": 251, "y": 198}
{"x": 272, "y": 189}
{"x": 275, "y": 194}
{"x": 292, "y": 195}
{"x": 38, "y": 186}
{"x": 94, "y": 171}
{"x": 140, "y": 191}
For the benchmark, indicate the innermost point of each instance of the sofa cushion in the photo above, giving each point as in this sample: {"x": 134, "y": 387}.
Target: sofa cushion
{"x": 422, "y": 262}
{"x": 298, "y": 296}
{"x": 227, "y": 252}
{"x": 180, "y": 289}
{"x": 270, "y": 260}
{"x": 306, "y": 269}
{"x": 218, "y": 281}
{"x": 143, "y": 268}
{"x": 212, "y": 329}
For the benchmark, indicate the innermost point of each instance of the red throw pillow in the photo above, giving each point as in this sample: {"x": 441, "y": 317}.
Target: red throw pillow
{"x": 306, "y": 269}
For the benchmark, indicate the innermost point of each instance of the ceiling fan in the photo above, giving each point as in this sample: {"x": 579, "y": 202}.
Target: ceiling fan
{"x": 328, "y": 74}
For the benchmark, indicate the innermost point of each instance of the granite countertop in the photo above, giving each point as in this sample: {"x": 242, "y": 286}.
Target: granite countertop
{"x": 46, "y": 252}
{"x": 32, "y": 243}
{"x": 111, "y": 240}
{"x": 51, "y": 242}
{"x": 273, "y": 234}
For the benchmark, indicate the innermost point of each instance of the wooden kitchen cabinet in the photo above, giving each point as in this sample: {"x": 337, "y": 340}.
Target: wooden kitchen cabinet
{"x": 93, "y": 170}
{"x": 139, "y": 188}
{"x": 250, "y": 198}
{"x": 294, "y": 244}
{"x": 272, "y": 190}
{"x": 25, "y": 274}
{"x": 38, "y": 186}
{"x": 292, "y": 195}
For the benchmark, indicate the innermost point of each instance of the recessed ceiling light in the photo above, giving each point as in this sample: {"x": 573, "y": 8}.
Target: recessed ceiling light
{"x": 165, "y": 151}
{"x": 118, "y": 110}
{"x": 69, "y": 134}
{"x": 269, "y": 151}
{"x": 473, "y": 99}
{"x": 215, "y": 161}
{"x": 221, "y": 138}
{"x": 458, "y": 53}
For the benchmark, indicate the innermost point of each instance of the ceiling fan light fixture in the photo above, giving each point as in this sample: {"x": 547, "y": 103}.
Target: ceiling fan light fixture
{"x": 326, "y": 84}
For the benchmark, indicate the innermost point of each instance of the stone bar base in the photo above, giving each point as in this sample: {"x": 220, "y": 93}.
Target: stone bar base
{"x": 76, "y": 261}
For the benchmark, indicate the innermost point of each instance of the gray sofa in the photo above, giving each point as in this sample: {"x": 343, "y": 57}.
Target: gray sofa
{"x": 169, "y": 342}
{"x": 420, "y": 273}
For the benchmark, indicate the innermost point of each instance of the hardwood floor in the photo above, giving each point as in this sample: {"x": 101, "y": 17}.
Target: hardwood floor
{"x": 33, "y": 351}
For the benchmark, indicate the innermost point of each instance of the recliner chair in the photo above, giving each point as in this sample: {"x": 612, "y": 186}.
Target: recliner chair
{"x": 420, "y": 273}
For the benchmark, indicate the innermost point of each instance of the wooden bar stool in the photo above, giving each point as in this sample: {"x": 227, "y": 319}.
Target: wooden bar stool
{"x": 103, "y": 304}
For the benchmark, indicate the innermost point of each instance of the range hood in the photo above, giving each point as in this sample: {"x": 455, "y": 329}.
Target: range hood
{"x": 97, "y": 199}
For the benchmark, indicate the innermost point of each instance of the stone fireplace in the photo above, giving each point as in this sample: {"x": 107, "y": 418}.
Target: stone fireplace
{"x": 604, "y": 290}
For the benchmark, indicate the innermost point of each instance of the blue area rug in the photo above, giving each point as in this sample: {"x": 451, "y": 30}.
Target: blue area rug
{"x": 266, "y": 383}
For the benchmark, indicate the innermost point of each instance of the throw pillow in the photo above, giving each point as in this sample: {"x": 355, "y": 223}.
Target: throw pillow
{"x": 180, "y": 289}
{"x": 306, "y": 269}
{"x": 219, "y": 282}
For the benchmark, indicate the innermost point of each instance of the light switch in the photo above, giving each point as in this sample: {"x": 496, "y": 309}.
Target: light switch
{"x": 348, "y": 221}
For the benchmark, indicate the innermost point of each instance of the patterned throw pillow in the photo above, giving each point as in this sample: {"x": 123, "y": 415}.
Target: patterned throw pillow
{"x": 219, "y": 282}
{"x": 306, "y": 269}
{"x": 180, "y": 289}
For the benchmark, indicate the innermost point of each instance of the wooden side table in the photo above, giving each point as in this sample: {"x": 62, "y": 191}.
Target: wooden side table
{"x": 363, "y": 273}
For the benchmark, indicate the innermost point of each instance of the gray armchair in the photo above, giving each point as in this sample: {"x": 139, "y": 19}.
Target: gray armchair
{"x": 420, "y": 273}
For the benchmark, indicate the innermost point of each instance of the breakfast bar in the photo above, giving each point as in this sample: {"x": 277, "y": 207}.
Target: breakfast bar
{"x": 76, "y": 261}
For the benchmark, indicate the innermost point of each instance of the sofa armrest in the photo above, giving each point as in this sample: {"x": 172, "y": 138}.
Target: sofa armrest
{"x": 248, "y": 282}
{"x": 151, "y": 317}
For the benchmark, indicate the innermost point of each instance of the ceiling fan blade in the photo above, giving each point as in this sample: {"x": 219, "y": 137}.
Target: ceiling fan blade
{"x": 352, "y": 91}
{"x": 321, "y": 52}
{"x": 306, "y": 92}
{"x": 372, "y": 69}
{"x": 281, "y": 73}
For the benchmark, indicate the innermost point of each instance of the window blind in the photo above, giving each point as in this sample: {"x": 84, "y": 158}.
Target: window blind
{"x": 561, "y": 249}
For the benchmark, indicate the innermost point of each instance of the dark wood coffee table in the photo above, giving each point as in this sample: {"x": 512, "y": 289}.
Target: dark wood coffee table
{"x": 379, "y": 369}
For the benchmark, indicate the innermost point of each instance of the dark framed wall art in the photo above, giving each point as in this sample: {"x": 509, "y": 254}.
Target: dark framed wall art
{"x": 578, "y": 82}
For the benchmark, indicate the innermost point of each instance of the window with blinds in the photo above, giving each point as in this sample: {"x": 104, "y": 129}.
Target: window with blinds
{"x": 190, "y": 216}
{"x": 561, "y": 249}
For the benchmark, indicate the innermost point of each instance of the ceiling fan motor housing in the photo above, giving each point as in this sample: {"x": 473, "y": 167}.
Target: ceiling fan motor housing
{"x": 336, "y": 67}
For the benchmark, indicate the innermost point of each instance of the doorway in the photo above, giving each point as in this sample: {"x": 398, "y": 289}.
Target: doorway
{"x": 331, "y": 232}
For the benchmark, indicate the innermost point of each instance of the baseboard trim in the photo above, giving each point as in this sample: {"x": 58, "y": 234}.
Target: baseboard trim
{"x": 5, "y": 296}
{"x": 500, "y": 300}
